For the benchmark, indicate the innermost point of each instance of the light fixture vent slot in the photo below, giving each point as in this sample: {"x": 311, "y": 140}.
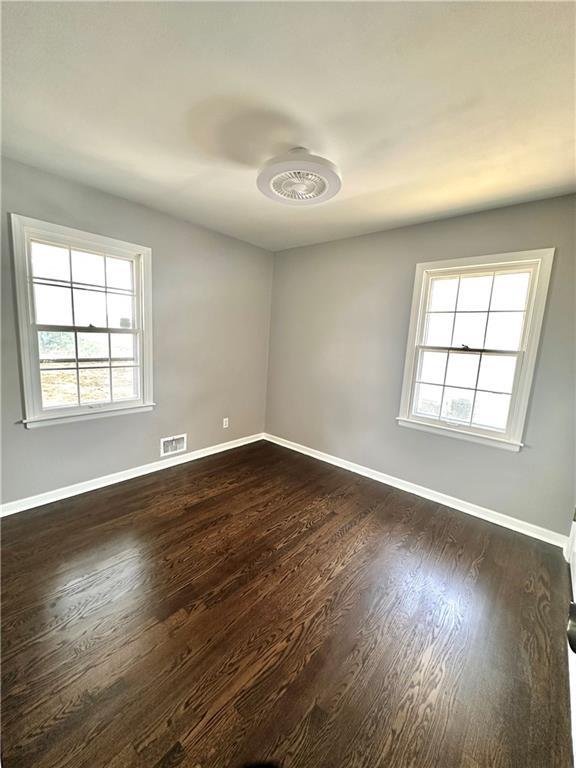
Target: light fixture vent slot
{"x": 299, "y": 178}
{"x": 298, "y": 185}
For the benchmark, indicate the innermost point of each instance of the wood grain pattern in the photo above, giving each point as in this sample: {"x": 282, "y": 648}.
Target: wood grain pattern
{"x": 260, "y": 605}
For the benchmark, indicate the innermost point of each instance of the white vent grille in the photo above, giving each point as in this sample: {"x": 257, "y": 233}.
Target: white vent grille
{"x": 298, "y": 185}
{"x": 299, "y": 178}
{"x": 173, "y": 444}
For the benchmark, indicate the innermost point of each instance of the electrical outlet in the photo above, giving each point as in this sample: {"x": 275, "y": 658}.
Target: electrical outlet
{"x": 225, "y": 423}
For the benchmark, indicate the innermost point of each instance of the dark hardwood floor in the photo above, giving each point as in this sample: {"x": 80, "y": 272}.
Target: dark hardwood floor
{"x": 261, "y": 605}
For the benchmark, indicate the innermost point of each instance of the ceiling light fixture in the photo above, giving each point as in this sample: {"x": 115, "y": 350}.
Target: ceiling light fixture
{"x": 299, "y": 178}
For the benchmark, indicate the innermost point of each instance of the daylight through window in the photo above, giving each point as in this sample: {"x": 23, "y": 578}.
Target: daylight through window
{"x": 470, "y": 339}
{"x": 84, "y": 342}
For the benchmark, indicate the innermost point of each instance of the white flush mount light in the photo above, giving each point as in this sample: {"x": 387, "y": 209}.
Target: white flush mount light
{"x": 299, "y": 178}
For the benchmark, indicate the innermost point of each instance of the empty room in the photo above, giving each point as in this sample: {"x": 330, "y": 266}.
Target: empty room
{"x": 288, "y": 384}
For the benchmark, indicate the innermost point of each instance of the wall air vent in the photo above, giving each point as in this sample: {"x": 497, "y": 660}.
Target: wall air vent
{"x": 174, "y": 444}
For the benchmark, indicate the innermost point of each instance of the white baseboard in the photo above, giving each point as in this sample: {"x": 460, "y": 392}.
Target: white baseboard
{"x": 11, "y": 507}
{"x": 570, "y": 554}
{"x": 505, "y": 521}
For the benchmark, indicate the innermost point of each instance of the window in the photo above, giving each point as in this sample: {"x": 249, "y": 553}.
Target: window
{"x": 84, "y": 315}
{"x": 472, "y": 346}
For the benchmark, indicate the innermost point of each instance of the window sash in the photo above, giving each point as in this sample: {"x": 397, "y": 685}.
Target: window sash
{"x": 440, "y": 420}
{"x": 71, "y": 285}
{"x": 494, "y": 269}
{"x": 467, "y": 273}
{"x": 78, "y": 363}
{"x": 25, "y": 232}
{"x": 539, "y": 264}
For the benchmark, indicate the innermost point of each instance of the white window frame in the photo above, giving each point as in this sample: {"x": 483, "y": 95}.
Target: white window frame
{"x": 24, "y": 231}
{"x": 540, "y": 261}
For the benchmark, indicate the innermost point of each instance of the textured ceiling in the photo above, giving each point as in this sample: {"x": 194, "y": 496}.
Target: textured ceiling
{"x": 430, "y": 109}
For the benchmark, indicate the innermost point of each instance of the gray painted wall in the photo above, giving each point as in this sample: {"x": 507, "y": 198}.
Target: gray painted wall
{"x": 340, "y": 315}
{"x": 339, "y": 324}
{"x": 211, "y": 304}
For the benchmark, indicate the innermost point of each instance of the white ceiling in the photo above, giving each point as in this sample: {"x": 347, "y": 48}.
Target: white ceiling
{"x": 430, "y": 109}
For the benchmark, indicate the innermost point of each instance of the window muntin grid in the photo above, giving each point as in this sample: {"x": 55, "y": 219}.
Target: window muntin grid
{"x": 85, "y": 312}
{"x": 464, "y": 337}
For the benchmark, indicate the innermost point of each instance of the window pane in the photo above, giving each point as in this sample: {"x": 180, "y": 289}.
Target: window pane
{"x": 462, "y": 369}
{"x": 56, "y": 345}
{"x": 53, "y": 305}
{"x": 58, "y": 388}
{"x": 438, "y": 330}
{"x": 469, "y": 329}
{"x": 119, "y": 273}
{"x": 94, "y": 385}
{"x": 510, "y": 291}
{"x": 504, "y": 330}
{"x": 120, "y": 311}
{"x": 497, "y": 373}
{"x": 432, "y": 367}
{"x": 457, "y": 404}
{"x": 474, "y": 293}
{"x": 123, "y": 345}
{"x": 87, "y": 268}
{"x": 93, "y": 345}
{"x": 443, "y": 291}
{"x": 491, "y": 410}
{"x": 50, "y": 261}
{"x": 89, "y": 308}
{"x": 125, "y": 383}
{"x": 427, "y": 399}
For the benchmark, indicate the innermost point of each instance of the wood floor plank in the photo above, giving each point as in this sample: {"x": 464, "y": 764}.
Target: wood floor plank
{"x": 261, "y": 605}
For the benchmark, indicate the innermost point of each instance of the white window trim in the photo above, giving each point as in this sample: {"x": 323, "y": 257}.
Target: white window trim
{"x": 512, "y": 439}
{"x": 25, "y": 229}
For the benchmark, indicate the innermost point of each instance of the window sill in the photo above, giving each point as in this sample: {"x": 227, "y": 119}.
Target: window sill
{"x": 495, "y": 442}
{"x": 46, "y": 421}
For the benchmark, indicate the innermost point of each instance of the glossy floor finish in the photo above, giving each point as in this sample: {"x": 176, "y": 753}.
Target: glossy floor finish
{"x": 261, "y": 605}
